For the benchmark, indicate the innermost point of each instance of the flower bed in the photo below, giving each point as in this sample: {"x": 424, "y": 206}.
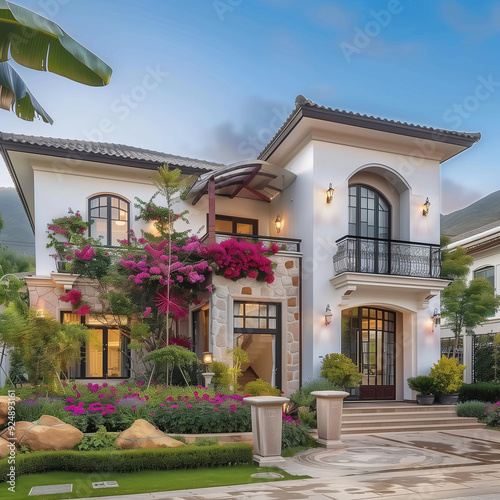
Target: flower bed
{"x": 173, "y": 410}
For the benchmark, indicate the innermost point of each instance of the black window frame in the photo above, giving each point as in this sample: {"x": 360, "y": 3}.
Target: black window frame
{"x": 109, "y": 207}
{"x": 482, "y": 269}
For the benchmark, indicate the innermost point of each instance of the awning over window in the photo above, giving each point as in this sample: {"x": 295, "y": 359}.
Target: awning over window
{"x": 254, "y": 179}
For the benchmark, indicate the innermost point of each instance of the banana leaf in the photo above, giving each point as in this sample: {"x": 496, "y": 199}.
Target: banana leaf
{"x": 15, "y": 95}
{"x": 38, "y": 43}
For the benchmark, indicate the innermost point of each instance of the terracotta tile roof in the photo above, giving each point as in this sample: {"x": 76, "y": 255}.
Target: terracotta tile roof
{"x": 100, "y": 149}
{"x": 350, "y": 118}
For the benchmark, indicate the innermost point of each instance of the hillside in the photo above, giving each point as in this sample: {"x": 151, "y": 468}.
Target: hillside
{"x": 16, "y": 233}
{"x": 480, "y": 213}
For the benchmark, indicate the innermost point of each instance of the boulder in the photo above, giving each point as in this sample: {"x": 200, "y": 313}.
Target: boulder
{"x": 142, "y": 434}
{"x": 4, "y": 408}
{"x": 15, "y": 433}
{"x": 47, "y": 434}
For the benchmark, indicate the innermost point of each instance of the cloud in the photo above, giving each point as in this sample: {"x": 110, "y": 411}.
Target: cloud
{"x": 455, "y": 196}
{"x": 232, "y": 141}
{"x": 463, "y": 20}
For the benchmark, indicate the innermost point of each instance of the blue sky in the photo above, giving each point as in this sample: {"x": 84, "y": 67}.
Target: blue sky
{"x": 214, "y": 79}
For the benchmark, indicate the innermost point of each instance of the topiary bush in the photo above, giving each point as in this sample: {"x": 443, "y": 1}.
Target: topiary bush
{"x": 186, "y": 457}
{"x": 260, "y": 388}
{"x": 483, "y": 391}
{"x": 448, "y": 375}
{"x": 475, "y": 409}
{"x": 340, "y": 370}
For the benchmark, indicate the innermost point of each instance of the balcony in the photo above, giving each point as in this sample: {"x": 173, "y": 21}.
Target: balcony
{"x": 284, "y": 244}
{"x": 390, "y": 257}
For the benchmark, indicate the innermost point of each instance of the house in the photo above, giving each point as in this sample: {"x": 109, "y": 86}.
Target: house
{"x": 353, "y": 202}
{"x": 483, "y": 244}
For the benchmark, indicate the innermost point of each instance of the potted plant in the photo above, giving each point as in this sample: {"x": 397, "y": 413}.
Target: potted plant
{"x": 424, "y": 385}
{"x": 448, "y": 378}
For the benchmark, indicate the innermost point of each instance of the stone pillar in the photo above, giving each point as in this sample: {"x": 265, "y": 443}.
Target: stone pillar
{"x": 329, "y": 416}
{"x": 266, "y": 428}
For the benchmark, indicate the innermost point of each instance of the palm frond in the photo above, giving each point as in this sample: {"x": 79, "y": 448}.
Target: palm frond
{"x": 38, "y": 43}
{"x": 15, "y": 96}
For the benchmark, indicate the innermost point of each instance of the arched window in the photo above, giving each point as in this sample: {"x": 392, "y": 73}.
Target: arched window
{"x": 486, "y": 272}
{"x": 110, "y": 216}
{"x": 369, "y": 213}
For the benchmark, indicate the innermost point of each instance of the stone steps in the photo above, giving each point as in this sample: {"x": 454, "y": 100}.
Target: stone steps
{"x": 403, "y": 418}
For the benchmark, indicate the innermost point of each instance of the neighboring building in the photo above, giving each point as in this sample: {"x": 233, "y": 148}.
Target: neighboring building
{"x": 483, "y": 244}
{"x": 371, "y": 255}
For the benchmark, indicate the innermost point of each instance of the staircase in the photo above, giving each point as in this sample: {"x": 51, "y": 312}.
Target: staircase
{"x": 367, "y": 418}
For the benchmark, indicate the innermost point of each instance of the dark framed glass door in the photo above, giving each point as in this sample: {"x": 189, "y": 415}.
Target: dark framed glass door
{"x": 369, "y": 339}
{"x": 370, "y": 222}
{"x": 257, "y": 330}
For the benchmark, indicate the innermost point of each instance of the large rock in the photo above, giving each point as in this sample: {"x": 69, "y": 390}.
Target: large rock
{"x": 15, "y": 433}
{"x": 142, "y": 434}
{"x": 47, "y": 434}
{"x": 4, "y": 408}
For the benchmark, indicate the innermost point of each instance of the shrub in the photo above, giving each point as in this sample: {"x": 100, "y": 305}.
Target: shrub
{"x": 186, "y": 457}
{"x": 303, "y": 396}
{"x": 205, "y": 441}
{"x": 423, "y": 384}
{"x": 340, "y": 370}
{"x": 260, "y": 388}
{"x": 101, "y": 440}
{"x": 307, "y": 417}
{"x": 493, "y": 415}
{"x": 222, "y": 377}
{"x": 448, "y": 375}
{"x": 294, "y": 435}
{"x": 202, "y": 417}
{"x": 484, "y": 391}
{"x": 475, "y": 409}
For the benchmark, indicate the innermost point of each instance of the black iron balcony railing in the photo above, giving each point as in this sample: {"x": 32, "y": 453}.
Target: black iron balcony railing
{"x": 378, "y": 256}
{"x": 284, "y": 244}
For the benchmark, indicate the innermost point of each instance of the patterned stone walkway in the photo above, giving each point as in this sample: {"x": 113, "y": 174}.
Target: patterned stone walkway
{"x": 399, "y": 466}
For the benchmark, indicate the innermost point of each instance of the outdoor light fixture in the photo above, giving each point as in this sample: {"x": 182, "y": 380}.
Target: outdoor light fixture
{"x": 328, "y": 315}
{"x": 329, "y": 194}
{"x": 425, "y": 207}
{"x": 436, "y": 317}
{"x": 208, "y": 358}
{"x": 277, "y": 223}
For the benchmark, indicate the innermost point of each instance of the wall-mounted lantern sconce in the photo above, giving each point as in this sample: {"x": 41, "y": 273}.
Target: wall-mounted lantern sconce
{"x": 436, "y": 317}
{"x": 425, "y": 207}
{"x": 329, "y": 194}
{"x": 208, "y": 358}
{"x": 328, "y": 315}
{"x": 277, "y": 223}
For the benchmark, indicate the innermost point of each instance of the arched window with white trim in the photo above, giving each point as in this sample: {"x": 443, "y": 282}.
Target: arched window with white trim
{"x": 110, "y": 218}
{"x": 487, "y": 272}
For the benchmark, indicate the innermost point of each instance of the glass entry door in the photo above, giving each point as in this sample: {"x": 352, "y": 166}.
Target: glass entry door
{"x": 369, "y": 339}
{"x": 257, "y": 330}
{"x": 104, "y": 354}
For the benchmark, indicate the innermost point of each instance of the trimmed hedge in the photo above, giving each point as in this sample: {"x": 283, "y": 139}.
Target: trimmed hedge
{"x": 129, "y": 460}
{"x": 483, "y": 391}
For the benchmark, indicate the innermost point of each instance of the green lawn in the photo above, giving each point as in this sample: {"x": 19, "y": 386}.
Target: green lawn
{"x": 138, "y": 482}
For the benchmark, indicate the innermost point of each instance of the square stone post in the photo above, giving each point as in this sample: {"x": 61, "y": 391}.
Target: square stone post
{"x": 266, "y": 428}
{"x": 329, "y": 406}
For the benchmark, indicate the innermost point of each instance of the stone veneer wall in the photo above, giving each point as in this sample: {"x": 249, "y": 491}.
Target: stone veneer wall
{"x": 284, "y": 290}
